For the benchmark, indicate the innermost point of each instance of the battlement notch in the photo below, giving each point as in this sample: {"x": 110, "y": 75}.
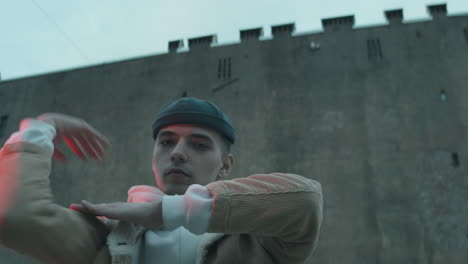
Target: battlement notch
{"x": 283, "y": 30}
{"x": 175, "y": 45}
{"x": 437, "y": 11}
{"x": 202, "y": 42}
{"x": 394, "y": 16}
{"x": 336, "y": 23}
{"x": 251, "y": 34}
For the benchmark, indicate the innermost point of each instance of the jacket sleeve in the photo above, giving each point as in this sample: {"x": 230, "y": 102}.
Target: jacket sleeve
{"x": 283, "y": 211}
{"x": 30, "y": 223}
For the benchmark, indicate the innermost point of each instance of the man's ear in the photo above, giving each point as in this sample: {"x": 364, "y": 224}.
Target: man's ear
{"x": 228, "y": 164}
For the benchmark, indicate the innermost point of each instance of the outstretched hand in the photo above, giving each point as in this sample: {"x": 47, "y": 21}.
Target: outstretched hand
{"x": 144, "y": 207}
{"x": 77, "y": 134}
{"x": 148, "y": 215}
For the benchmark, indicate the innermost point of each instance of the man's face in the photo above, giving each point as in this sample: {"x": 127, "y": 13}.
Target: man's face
{"x": 187, "y": 154}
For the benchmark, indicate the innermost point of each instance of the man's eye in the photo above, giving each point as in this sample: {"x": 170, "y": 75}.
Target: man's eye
{"x": 200, "y": 146}
{"x": 165, "y": 142}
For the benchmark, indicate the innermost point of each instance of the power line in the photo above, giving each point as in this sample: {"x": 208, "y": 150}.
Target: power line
{"x": 61, "y": 31}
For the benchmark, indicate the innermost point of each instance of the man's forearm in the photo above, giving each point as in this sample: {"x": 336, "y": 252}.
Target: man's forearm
{"x": 31, "y": 131}
{"x": 32, "y": 223}
{"x": 283, "y": 211}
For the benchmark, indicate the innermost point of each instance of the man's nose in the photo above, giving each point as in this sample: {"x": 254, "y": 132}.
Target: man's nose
{"x": 179, "y": 152}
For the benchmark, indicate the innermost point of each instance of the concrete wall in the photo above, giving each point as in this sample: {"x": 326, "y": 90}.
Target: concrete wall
{"x": 368, "y": 122}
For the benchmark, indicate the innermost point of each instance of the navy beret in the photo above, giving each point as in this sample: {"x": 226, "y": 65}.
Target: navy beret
{"x": 190, "y": 110}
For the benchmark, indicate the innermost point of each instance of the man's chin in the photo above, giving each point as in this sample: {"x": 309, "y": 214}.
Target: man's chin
{"x": 173, "y": 189}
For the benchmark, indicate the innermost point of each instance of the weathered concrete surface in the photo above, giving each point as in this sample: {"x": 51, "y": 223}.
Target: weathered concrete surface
{"x": 373, "y": 131}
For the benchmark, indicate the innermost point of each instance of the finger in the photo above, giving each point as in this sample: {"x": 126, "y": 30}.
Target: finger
{"x": 102, "y": 219}
{"x": 89, "y": 208}
{"x": 76, "y": 126}
{"x": 58, "y": 155}
{"x": 86, "y": 146}
{"x": 118, "y": 211}
{"x": 98, "y": 144}
{"x": 78, "y": 208}
{"x": 74, "y": 147}
{"x": 81, "y": 209}
{"x": 112, "y": 210}
{"x": 93, "y": 133}
{"x": 97, "y": 148}
{"x": 104, "y": 141}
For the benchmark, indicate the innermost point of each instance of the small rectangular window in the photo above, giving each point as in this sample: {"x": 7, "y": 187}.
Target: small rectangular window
{"x": 229, "y": 69}
{"x": 374, "y": 49}
{"x": 224, "y": 69}
{"x": 220, "y": 67}
{"x": 465, "y": 31}
{"x": 455, "y": 160}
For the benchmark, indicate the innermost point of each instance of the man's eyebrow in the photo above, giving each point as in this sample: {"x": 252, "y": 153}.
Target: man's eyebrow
{"x": 166, "y": 133}
{"x": 201, "y": 136}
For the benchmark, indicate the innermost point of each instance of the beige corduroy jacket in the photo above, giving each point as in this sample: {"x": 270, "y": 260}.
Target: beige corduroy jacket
{"x": 264, "y": 218}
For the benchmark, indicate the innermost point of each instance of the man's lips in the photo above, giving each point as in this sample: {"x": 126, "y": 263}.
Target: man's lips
{"x": 176, "y": 171}
{"x": 177, "y": 176}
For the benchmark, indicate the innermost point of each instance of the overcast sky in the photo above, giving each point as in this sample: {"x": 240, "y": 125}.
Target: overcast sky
{"x": 40, "y": 36}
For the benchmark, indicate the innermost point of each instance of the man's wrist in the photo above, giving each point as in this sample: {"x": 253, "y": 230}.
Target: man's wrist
{"x": 173, "y": 211}
{"x": 191, "y": 210}
{"x": 34, "y": 131}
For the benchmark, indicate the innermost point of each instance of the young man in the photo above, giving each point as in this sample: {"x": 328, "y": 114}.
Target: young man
{"x": 195, "y": 216}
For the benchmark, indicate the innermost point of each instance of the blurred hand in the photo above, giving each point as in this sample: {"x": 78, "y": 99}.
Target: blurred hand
{"x": 144, "y": 207}
{"x": 76, "y": 133}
